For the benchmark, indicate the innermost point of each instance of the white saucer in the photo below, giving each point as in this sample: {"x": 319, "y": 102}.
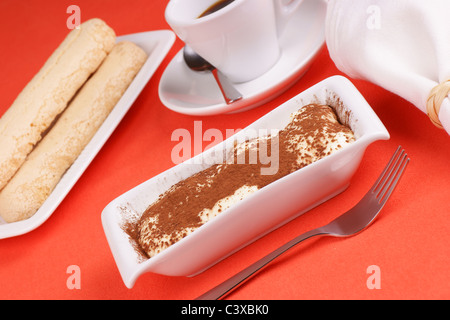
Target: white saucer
{"x": 196, "y": 93}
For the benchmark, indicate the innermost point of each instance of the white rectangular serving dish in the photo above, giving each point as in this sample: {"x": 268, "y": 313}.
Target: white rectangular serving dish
{"x": 156, "y": 44}
{"x": 262, "y": 212}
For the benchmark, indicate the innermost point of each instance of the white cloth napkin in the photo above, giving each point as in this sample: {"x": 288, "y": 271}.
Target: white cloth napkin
{"x": 400, "y": 45}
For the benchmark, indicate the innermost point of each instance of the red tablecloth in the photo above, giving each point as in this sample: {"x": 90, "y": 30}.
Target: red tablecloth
{"x": 409, "y": 242}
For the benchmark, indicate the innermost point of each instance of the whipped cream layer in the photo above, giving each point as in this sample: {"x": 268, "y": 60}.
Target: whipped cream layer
{"x": 313, "y": 133}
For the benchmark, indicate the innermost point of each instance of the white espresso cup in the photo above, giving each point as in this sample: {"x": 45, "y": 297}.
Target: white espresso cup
{"x": 241, "y": 39}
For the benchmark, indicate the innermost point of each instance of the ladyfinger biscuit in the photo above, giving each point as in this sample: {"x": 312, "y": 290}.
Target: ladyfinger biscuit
{"x": 49, "y": 92}
{"x": 46, "y": 164}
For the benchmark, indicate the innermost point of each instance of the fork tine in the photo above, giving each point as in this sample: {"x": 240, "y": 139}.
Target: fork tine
{"x": 393, "y": 182}
{"x": 387, "y": 180}
{"x": 378, "y": 185}
{"x": 391, "y": 178}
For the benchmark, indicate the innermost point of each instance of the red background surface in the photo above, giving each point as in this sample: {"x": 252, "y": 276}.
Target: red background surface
{"x": 409, "y": 242}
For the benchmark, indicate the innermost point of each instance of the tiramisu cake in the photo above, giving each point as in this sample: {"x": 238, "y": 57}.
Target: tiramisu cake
{"x": 313, "y": 133}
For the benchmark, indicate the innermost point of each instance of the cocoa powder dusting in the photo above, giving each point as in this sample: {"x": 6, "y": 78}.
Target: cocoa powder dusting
{"x": 179, "y": 207}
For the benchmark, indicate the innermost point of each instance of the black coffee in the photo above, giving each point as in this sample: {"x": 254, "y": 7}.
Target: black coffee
{"x": 216, "y": 7}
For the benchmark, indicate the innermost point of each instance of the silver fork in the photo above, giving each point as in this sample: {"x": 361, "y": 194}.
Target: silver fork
{"x": 348, "y": 224}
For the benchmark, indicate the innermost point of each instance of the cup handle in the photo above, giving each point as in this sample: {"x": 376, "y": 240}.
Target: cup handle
{"x": 283, "y": 11}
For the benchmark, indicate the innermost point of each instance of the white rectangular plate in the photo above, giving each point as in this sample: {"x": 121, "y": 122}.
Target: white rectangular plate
{"x": 156, "y": 44}
{"x": 263, "y": 211}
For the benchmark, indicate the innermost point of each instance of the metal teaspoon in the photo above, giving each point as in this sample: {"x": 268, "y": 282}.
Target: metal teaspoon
{"x": 197, "y": 63}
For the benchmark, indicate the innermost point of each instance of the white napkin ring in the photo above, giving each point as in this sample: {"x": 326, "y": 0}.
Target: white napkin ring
{"x": 435, "y": 100}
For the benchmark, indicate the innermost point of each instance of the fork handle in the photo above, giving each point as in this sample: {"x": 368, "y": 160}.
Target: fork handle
{"x": 238, "y": 279}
